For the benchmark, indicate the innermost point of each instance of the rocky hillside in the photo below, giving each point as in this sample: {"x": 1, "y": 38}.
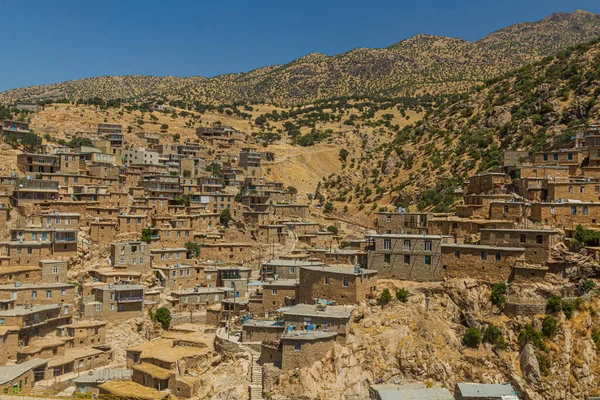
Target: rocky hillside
{"x": 529, "y": 108}
{"x": 419, "y": 64}
{"x": 544, "y": 356}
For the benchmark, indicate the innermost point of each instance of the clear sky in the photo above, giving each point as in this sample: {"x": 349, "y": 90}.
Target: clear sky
{"x": 48, "y": 41}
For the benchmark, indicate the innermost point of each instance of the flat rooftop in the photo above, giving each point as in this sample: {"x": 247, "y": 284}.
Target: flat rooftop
{"x": 342, "y": 270}
{"x": 314, "y": 310}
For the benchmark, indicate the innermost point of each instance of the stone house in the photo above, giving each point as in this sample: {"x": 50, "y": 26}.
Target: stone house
{"x": 197, "y": 298}
{"x": 566, "y": 215}
{"x": 179, "y": 276}
{"x": 401, "y": 222}
{"x": 490, "y": 263}
{"x": 34, "y": 321}
{"x": 227, "y": 252}
{"x": 166, "y": 256}
{"x": 279, "y": 293}
{"x": 131, "y": 223}
{"x": 411, "y": 257}
{"x": 84, "y": 332}
{"x": 134, "y": 256}
{"x": 581, "y": 191}
{"x": 284, "y": 269}
{"x": 491, "y": 182}
{"x": 339, "y": 285}
{"x": 536, "y": 242}
{"x": 113, "y": 302}
{"x": 301, "y": 349}
{"x": 103, "y": 231}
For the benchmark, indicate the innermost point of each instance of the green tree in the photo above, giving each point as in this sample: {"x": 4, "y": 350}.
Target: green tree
{"x": 498, "y": 292}
{"x": 30, "y": 141}
{"x": 472, "y": 337}
{"x": 549, "y": 326}
{"x": 163, "y": 315}
{"x": 192, "y": 248}
{"x": 530, "y": 335}
{"x": 292, "y": 190}
{"x": 402, "y": 295}
{"x": 554, "y": 304}
{"x": 164, "y": 127}
{"x": 225, "y": 218}
{"x": 587, "y": 285}
{"x": 176, "y": 137}
{"x": 343, "y": 155}
{"x": 147, "y": 235}
{"x": 328, "y": 208}
{"x": 568, "y": 309}
{"x": 385, "y": 297}
{"x": 493, "y": 335}
{"x": 332, "y": 229}
{"x": 187, "y": 173}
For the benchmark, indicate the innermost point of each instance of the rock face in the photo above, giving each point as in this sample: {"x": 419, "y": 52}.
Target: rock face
{"x": 529, "y": 363}
{"x": 422, "y": 340}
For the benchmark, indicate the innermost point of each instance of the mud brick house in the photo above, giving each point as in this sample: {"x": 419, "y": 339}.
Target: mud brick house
{"x": 401, "y": 222}
{"x": 332, "y": 319}
{"x": 339, "y": 256}
{"x": 491, "y": 182}
{"x": 132, "y": 223}
{"x": 279, "y": 293}
{"x": 34, "y": 321}
{"x": 14, "y": 127}
{"x": 9, "y": 337}
{"x": 584, "y": 191}
{"x": 166, "y": 256}
{"x": 284, "y": 269}
{"x": 17, "y": 378}
{"x": 113, "y": 302}
{"x": 478, "y": 205}
{"x": 536, "y": 242}
{"x": 103, "y": 231}
{"x": 134, "y": 256}
{"x": 29, "y": 191}
{"x": 179, "y": 276}
{"x": 514, "y": 211}
{"x": 339, "y": 285}
{"x": 53, "y": 271}
{"x": 412, "y": 257}
{"x": 571, "y": 158}
{"x": 271, "y": 233}
{"x": 197, "y": 298}
{"x": 32, "y": 164}
{"x": 289, "y": 211}
{"x": 227, "y": 252}
{"x": 566, "y": 215}
{"x": 460, "y": 227}
{"x": 116, "y": 276}
{"x": 235, "y": 278}
{"x": 490, "y": 263}
{"x": 257, "y": 330}
{"x": 38, "y": 294}
{"x": 300, "y": 228}
{"x": 303, "y": 348}
{"x": 84, "y": 332}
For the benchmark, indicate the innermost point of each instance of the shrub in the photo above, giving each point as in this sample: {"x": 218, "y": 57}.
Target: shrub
{"x": 587, "y": 285}
{"x": 163, "y": 315}
{"x": 193, "y": 248}
{"x": 543, "y": 363}
{"x": 549, "y": 326}
{"x": 497, "y": 297}
{"x": 530, "y": 335}
{"x": 402, "y": 295}
{"x": 472, "y": 338}
{"x": 554, "y": 304}
{"x": 596, "y": 338}
{"x": 225, "y": 218}
{"x": 568, "y": 309}
{"x": 328, "y": 208}
{"x": 147, "y": 235}
{"x": 332, "y": 229}
{"x": 493, "y": 335}
{"x": 385, "y": 297}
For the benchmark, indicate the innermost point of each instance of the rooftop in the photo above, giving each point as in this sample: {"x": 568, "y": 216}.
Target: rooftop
{"x": 10, "y": 372}
{"x": 313, "y": 310}
{"x": 342, "y": 270}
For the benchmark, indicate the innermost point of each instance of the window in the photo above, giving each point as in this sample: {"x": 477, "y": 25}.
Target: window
{"x": 48, "y": 294}
{"x": 34, "y": 294}
{"x": 523, "y": 238}
{"x": 570, "y": 189}
{"x": 387, "y": 244}
{"x": 573, "y": 210}
{"x": 428, "y": 245}
{"x": 274, "y": 292}
{"x": 498, "y": 256}
{"x": 581, "y": 189}
{"x": 29, "y": 250}
{"x": 388, "y": 218}
{"x": 63, "y": 292}
{"x": 427, "y": 260}
{"x": 387, "y": 258}
{"x": 346, "y": 281}
{"x": 584, "y": 210}
{"x": 539, "y": 239}
{"x": 596, "y": 189}
{"x": 555, "y": 156}
{"x": 98, "y": 307}
{"x": 505, "y": 209}
{"x": 326, "y": 279}
{"x": 407, "y": 245}
{"x": 553, "y": 210}
{"x": 483, "y": 256}
{"x": 112, "y": 307}
{"x": 570, "y": 156}
{"x": 406, "y": 259}
{"x": 292, "y": 270}
{"x": 456, "y": 253}
{"x": 55, "y": 270}
{"x": 545, "y": 157}
{"x": 297, "y": 345}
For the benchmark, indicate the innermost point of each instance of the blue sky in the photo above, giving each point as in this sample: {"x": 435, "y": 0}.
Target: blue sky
{"x": 50, "y": 41}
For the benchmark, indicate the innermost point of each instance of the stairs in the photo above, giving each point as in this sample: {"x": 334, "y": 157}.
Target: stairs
{"x": 256, "y": 382}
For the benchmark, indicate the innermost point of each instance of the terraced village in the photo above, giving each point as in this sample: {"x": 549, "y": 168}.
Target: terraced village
{"x": 180, "y": 242}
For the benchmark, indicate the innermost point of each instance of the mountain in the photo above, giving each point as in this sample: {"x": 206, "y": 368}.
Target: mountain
{"x": 423, "y": 63}
{"x": 535, "y": 107}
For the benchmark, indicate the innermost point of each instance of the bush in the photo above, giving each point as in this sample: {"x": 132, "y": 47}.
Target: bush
{"x": 472, "y": 338}
{"x": 225, "y": 218}
{"x": 568, "y": 309}
{"x": 587, "y": 285}
{"x": 530, "y": 335}
{"x": 193, "y": 248}
{"x": 596, "y": 338}
{"x": 497, "y": 297}
{"x": 332, "y": 229}
{"x": 549, "y": 326}
{"x": 328, "y": 208}
{"x": 543, "y": 363}
{"x": 402, "y": 295}
{"x": 147, "y": 235}
{"x": 554, "y": 304}
{"x": 384, "y": 297}
{"x": 163, "y": 315}
{"x": 493, "y": 335}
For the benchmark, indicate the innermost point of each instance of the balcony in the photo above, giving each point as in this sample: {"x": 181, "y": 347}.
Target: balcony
{"x": 130, "y": 299}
